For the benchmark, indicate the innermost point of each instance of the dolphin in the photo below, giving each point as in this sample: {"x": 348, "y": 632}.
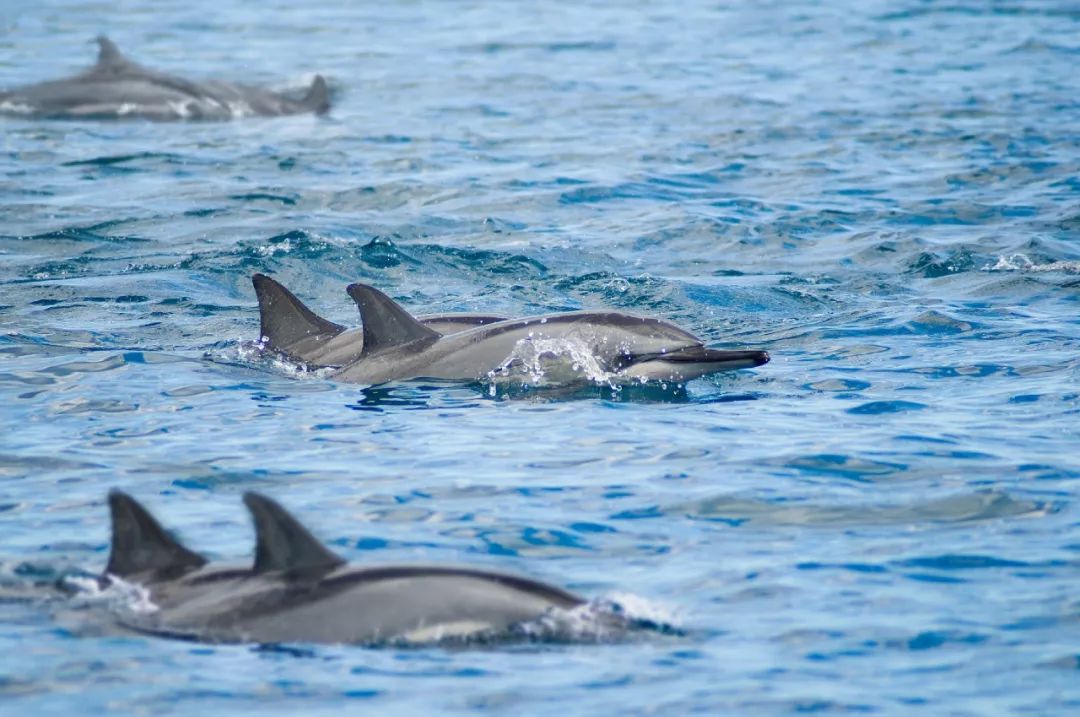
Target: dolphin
{"x": 299, "y": 591}
{"x": 397, "y": 345}
{"x": 117, "y": 87}
{"x": 290, "y": 328}
{"x": 392, "y": 344}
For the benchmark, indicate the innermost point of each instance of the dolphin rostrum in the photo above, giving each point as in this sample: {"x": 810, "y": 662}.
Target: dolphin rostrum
{"x": 298, "y": 591}
{"x": 117, "y": 87}
{"x": 396, "y": 345}
{"x": 294, "y": 330}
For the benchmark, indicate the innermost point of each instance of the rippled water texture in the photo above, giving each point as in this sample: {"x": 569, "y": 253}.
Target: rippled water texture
{"x": 884, "y": 196}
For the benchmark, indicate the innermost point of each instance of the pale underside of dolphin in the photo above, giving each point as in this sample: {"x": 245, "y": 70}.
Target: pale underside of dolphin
{"x": 394, "y": 345}
{"x": 117, "y": 87}
{"x": 298, "y": 591}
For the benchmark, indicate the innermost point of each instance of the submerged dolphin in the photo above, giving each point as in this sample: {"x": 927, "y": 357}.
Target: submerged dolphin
{"x": 292, "y": 329}
{"x": 298, "y": 591}
{"x": 396, "y": 345}
{"x": 117, "y": 87}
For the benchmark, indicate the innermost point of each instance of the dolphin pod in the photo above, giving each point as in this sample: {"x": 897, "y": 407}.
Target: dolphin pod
{"x": 296, "y": 590}
{"x": 394, "y": 345}
{"x": 117, "y": 87}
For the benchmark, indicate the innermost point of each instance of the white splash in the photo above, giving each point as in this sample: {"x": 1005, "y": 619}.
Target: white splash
{"x": 283, "y": 247}
{"x": 117, "y": 594}
{"x": 10, "y": 107}
{"x": 1021, "y": 263}
{"x": 604, "y": 619}
{"x": 259, "y": 352}
{"x": 182, "y": 108}
{"x": 643, "y": 610}
{"x": 539, "y": 361}
{"x": 240, "y": 109}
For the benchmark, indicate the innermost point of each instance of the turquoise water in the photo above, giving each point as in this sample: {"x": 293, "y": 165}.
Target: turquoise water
{"x": 882, "y": 195}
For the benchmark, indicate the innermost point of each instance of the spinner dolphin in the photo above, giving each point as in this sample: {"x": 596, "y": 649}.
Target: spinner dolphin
{"x": 117, "y": 87}
{"x": 298, "y": 591}
{"x": 394, "y": 345}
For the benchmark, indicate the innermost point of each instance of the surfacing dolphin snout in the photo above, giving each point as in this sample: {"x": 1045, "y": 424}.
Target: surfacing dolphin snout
{"x": 298, "y": 591}
{"x": 393, "y": 344}
{"x": 117, "y": 87}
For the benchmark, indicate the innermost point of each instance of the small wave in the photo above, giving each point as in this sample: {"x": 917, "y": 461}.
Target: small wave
{"x": 959, "y": 508}
{"x": 1021, "y": 263}
{"x": 265, "y": 197}
{"x": 297, "y": 243}
{"x": 932, "y": 266}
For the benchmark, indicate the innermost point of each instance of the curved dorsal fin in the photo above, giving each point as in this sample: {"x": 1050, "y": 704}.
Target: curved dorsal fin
{"x": 284, "y": 319}
{"x": 109, "y": 53}
{"x": 281, "y": 543}
{"x": 140, "y": 544}
{"x": 318, "y": 96}
{"x": 386, "y": 324}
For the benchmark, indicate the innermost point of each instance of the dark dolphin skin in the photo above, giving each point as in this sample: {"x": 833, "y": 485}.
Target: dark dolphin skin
{"x": 298, "y": 591}
{"x": 116, "y": 87}
{"x": 394, "y": 345}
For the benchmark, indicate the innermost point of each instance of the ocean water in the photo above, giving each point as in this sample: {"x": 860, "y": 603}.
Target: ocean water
{"x": 883, "y": 195}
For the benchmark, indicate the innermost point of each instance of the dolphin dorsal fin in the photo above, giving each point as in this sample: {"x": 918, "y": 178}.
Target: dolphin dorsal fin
{"x": 386, "y": 324}
{"x": 281, "y": 543}
{"x": 140, "y": 544}
{"x": 107, "y": 51}
{"x": 109, "y": 55}
{"x": 318, "y": 96}
{"x": 284, "y": 319}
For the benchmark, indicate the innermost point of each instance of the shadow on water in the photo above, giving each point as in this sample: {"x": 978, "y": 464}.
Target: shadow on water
{"x": 585, "y": 391}
{"x": 409, "y": 395}
{"x": 380, "y": 398}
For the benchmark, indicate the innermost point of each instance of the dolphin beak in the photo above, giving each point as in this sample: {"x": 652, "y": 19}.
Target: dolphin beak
{"x": 730, "y": 359}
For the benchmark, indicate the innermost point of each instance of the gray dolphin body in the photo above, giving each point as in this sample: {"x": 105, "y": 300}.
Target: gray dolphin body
{"x": 298, "y": 591}
{"x": 395, "y": 345}
{"x": 116, "y": 87}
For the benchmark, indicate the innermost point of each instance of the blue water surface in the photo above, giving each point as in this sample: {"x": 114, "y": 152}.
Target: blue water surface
{"x": 884, "y": 195}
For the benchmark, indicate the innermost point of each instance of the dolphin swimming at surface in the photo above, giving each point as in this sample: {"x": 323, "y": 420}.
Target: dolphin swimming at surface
{"x": 117, "y": 87}
{"x": 299, "y": 591}
{"x": 395, "y": 345}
